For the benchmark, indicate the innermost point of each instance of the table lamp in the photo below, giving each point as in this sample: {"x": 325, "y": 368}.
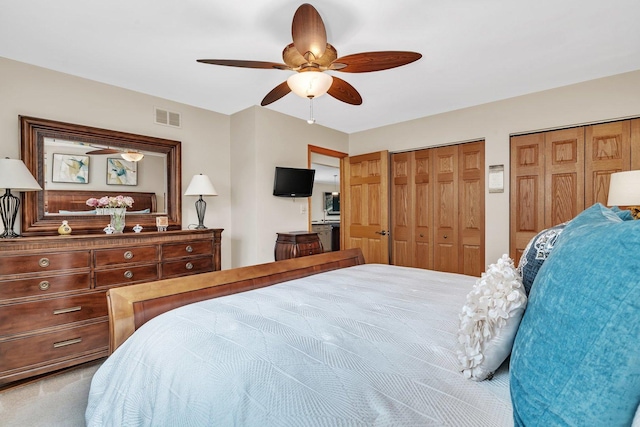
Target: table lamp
{"x": 624, "y": 190}
{"x": 200, "y": 185}
{"x": 14, "y": 175}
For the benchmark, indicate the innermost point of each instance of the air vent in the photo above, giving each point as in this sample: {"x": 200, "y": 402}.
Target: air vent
{"x": 168, "y": 118}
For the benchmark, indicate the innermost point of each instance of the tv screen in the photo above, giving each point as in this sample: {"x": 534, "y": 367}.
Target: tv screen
{"x": 292, "y": 182}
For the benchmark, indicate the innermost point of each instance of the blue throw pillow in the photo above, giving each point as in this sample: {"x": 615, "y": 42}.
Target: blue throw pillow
{"x": 576, "y": 357}
{"x": 536, "y": 252}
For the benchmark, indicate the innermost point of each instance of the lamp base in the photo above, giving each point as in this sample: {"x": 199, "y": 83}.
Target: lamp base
{"x": 8, "y": 211}
{"x": 201, "y": 207}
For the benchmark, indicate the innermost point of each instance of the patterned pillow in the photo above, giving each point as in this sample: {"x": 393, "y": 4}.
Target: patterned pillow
{"x": 536, "y": 252}
{"x": 489, "y": 320}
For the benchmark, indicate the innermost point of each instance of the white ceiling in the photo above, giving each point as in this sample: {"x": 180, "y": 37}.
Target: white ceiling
{"x": 473, "y": 51}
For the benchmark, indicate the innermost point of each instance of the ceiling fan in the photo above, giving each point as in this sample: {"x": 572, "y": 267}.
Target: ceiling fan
{"x": 129, "y": 155}
{"x": 310, "y": 55}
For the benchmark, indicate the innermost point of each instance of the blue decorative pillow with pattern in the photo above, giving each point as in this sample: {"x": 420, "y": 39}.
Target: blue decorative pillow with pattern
{"x": 576, "y": 356}
{"x": 536, "y": 252}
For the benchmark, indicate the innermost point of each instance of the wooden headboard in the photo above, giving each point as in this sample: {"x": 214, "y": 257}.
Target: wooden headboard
{"x": 75, "y": 201}
{"x": 131, "y": 306}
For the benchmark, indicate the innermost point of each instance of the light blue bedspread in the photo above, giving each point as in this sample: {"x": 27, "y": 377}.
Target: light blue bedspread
{"x": 369, "y": 345}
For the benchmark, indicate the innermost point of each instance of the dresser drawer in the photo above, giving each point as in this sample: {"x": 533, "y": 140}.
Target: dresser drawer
{"x": 29, "y": 316}
{"x": 187, "y": 266}
{"x": 126, "y": 275}
{"x": 51, "y": 347}
{"x": 126, "y": 255}
{"x": 179, "y": 250}
{"x": 19, "y": 264}
{"x": 43, "y": 286}
{"x": 304, "y": 249}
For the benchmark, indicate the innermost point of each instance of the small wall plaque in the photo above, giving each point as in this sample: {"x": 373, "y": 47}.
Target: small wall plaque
{"x": 496, "y": 179}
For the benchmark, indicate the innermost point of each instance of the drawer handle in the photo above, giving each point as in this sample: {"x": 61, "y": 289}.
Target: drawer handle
{"x": 189, "y": 249}
{"x": 44, "y": 262}
{"x": 67, "y": 342}
{"x": 67, "y": 310}
{"x": 128, "y": 255}
{"x": 128, "y": 274}
{"x": 44, "y": 285}
{"x": 189, "y": 266}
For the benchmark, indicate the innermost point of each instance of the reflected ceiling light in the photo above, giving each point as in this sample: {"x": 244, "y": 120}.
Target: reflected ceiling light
{"x": 132, "y": 156}
{"x": 310, "y": 84}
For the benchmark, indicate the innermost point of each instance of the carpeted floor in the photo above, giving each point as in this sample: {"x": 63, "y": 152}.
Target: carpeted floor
{"x": 57, "y": 400}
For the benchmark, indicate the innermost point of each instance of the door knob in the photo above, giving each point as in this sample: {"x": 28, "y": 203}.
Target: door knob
{"x": 382, "y": 233}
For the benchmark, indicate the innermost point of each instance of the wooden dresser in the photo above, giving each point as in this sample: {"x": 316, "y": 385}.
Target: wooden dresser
{"x": 53, "y": 309}
{"x": 295, "y": 244}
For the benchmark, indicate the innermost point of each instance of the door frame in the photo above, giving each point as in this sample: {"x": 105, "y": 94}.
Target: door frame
{"x": 311, "y": 149}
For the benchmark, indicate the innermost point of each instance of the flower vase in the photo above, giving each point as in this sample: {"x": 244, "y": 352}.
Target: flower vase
{"x": 117, "y": 219}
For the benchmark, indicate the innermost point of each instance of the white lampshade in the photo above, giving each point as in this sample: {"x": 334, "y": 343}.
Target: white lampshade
{"x": 624, "y": 189}
{"x": 132, "y": 156}
{"x": 310, "y": 84}
{"x": 200, "y": 185}
{"x": 14, "y": 175}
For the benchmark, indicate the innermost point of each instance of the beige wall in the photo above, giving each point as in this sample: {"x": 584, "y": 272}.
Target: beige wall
{"x": 38, "y": 92}
{"x": 594, "y": 101}
{"x": 240, "y": 152}
{"x": 261, "y": 140}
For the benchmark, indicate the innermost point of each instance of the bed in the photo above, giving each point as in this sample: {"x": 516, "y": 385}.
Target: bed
{"x": 329, "y": 340}
{"x": 343, "y": 343}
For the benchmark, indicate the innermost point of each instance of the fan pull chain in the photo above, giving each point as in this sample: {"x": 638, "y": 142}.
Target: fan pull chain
{"x": 311, "y": 119}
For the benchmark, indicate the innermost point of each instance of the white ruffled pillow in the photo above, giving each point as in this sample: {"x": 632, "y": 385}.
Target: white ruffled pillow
{"x": 489, "y": 320}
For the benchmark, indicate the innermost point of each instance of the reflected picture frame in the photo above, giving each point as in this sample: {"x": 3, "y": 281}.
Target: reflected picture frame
{"x": 121, "y": 171}
{"x": 70, "y": 168}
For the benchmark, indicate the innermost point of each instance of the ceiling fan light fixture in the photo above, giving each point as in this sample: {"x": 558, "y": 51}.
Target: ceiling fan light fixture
{"x": 132, "y": 156}
{"x": 310, "y": 84}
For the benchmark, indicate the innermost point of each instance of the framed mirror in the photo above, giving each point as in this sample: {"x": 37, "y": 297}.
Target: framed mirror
{"x": 74, "y": 163}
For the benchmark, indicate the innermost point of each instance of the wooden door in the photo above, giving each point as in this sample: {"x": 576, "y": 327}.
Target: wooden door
{"x": 445, "y": 213}
{"x": 564, "y": 175}
{"x": 607, "y": 150}
{"x": 471, "y": 209}
{"x": 411, "y": 209}
{"x": 423, "y": 209}
{"x": 527, "y": 191}
{"x": 366, "y": 205}
{"x": 402, "y": 201}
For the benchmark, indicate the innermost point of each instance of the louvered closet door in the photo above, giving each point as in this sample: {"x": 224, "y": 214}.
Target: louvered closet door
{"x": 445, "y": 213}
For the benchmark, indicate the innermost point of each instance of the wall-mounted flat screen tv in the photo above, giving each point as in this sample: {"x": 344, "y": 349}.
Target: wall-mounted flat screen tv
{"x": 293, "y": 182}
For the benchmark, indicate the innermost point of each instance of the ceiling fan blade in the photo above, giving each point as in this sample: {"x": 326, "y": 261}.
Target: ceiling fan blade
{"x": 104, "y": 151}
{"x": 276, "y": 93}
{"x": 309, "y": 34}
{"x": 374, "y": 61}
{"x": 343, "y": 91}
{"x": 245, "y": 64}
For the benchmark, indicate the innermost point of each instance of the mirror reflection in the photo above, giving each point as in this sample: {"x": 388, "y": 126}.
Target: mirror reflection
{"x": 95, "y": 171}
{"x": 76, "y": 163}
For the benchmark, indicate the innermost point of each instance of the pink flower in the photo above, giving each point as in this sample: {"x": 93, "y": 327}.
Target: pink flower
{"x": 93, "y": 202}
